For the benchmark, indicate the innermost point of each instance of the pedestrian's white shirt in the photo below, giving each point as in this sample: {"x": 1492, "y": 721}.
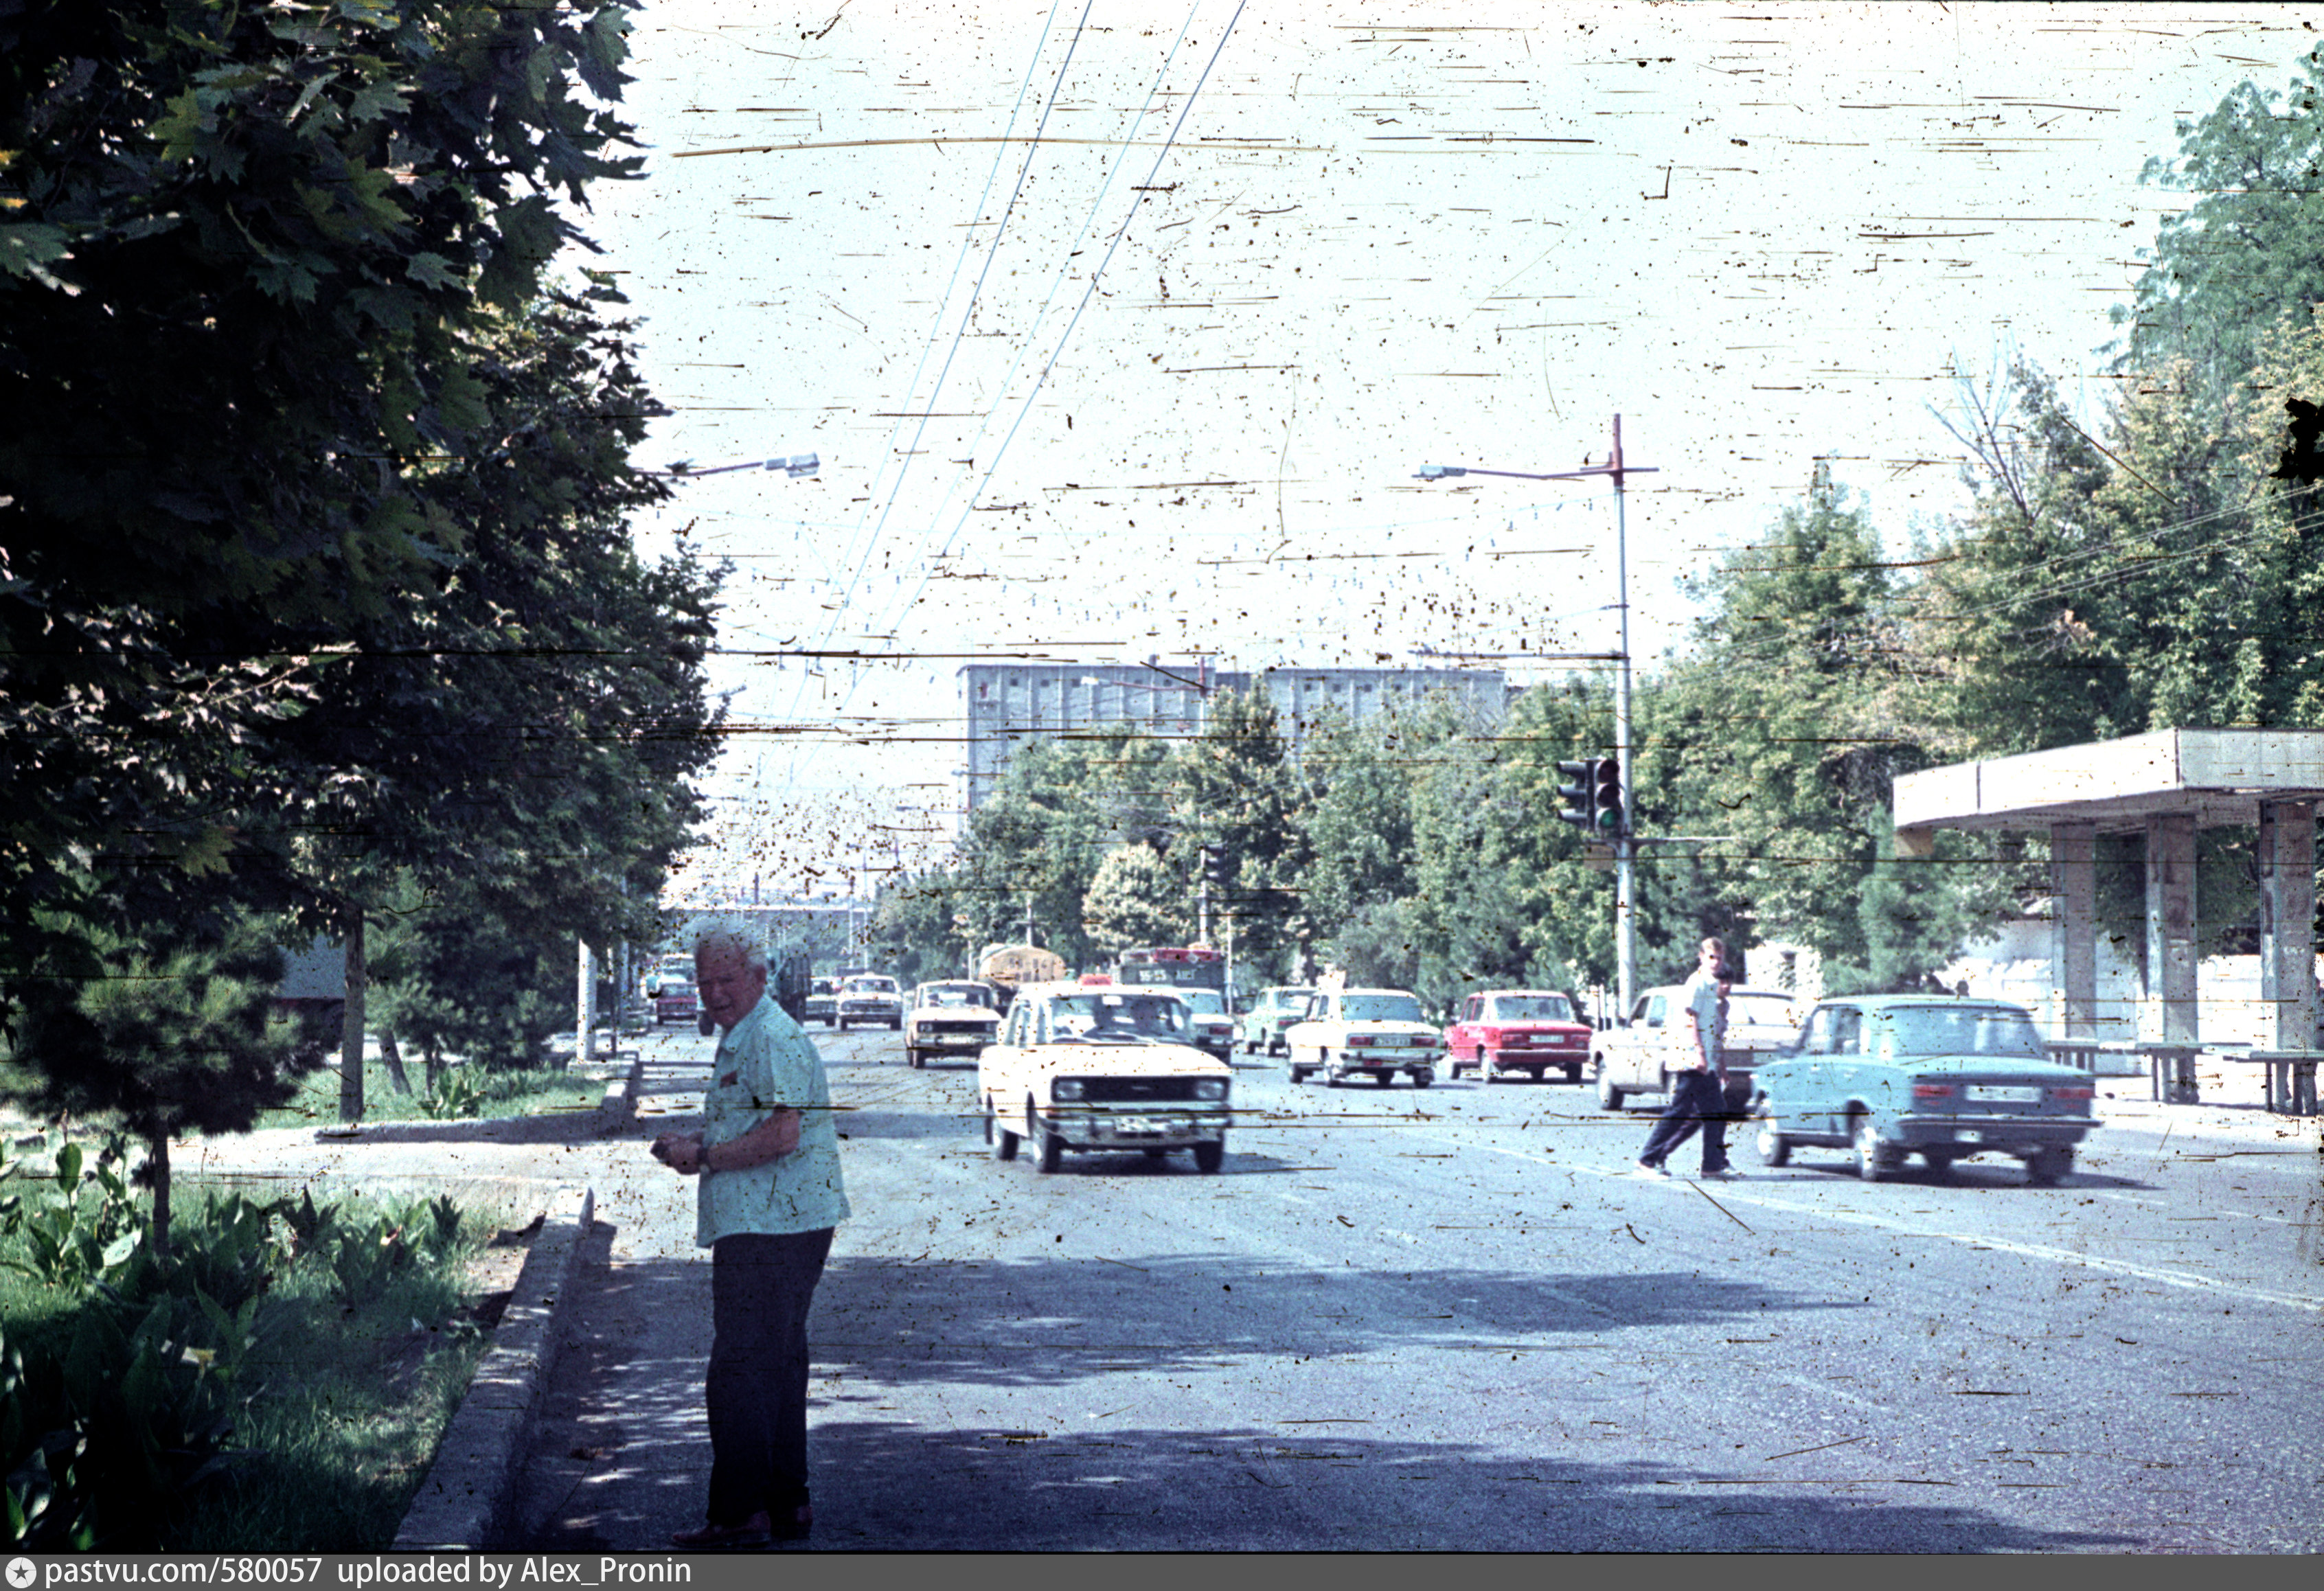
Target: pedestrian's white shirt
{"x": 766, "y": 1062}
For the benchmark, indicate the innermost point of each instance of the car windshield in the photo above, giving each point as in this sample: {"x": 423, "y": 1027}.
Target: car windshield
{"x": 953, "y": 994}
{"x": 1543, "y": 1008}
{"x": 1956, "y": 1030}
{"x": 1209, "y": 1002}
{"x": 870, "y": 985}
{"x": 1761, "y": 1010}
{"x": 1380, "y": 1007}
{"x": 1118, "y": 1015}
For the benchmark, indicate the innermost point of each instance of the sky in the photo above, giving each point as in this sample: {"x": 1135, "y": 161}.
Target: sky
{"x": 1121, "y": 331}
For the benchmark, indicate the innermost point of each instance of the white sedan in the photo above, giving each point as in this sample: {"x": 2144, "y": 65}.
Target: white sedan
{"x": 1373, "y": 1033}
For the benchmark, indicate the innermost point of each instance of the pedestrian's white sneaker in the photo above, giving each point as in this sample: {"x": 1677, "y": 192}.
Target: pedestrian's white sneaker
{"x": 1645, "y": 1170}
{"x": 1725, "y": 1173}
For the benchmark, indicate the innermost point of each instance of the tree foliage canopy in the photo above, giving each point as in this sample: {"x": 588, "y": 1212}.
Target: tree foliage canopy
{"x": 314, "y": 485}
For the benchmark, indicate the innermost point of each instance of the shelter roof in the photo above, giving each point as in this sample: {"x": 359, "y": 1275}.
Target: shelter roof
{"x": 2218, "y": 776}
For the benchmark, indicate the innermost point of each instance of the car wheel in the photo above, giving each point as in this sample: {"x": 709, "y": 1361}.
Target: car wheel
{"x": 1773, "y": 1148}
{"x": 1048, "y": 1148}
{"x": 1421, "y": 1079}
{"x": 1610, "y": 1097}
{"x": 1486, "y": 1072}
{"x": 1940, "y": 1164}
{"x": 1382, "y": 1080}
{"x": 1003, "y": 1141}
{"x": 896, "y": 1025}
{"x": 1208, "y": 1157}
{"x": 2046, "y": 1168}
{"x": 1872, "y": 1162}
{"x": 1155, "y": 1153}
{"x": 912, "y": 1058}
{"x": 1574, "y": 1072}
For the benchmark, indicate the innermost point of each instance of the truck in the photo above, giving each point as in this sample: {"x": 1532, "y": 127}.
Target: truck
{"x": 1010, "y": 967}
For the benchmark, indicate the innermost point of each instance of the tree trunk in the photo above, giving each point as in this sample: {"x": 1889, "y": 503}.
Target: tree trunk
{"x": 392, "y": 1059}
{"x": 157, "y": 1173}
{"x": 351, "y": 1035}
{"x": 434, "y": 1062}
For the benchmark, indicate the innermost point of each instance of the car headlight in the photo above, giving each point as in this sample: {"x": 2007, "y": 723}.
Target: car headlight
{"x": 1065, "y": 1088}
{"x": 1210, "y": 1088}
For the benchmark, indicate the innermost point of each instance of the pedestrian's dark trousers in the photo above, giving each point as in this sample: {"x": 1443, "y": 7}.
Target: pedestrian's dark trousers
{"x": 761, "y": 1286}
{"x": 1698, "y": 1099}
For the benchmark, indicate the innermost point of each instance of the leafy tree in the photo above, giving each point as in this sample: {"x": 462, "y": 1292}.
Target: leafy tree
{"x": 913, "y": 933}
{"x": 313, "y": 494}
{"x": 1035, "y": 845}
{"x": 1785, "y": 747}
{"x": 1233, "y": 788}
{"x": 239, "y": 249}
{"x": 177, "y": 1032}
{"x": 451, "y": 976}
{"x": 2249, "y": 249}
{"x": 1135, "y": 898}
{"x": 1356, "y": 820}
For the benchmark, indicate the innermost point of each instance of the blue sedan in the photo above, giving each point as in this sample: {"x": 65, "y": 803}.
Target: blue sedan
{"x": 1891, "y": 1075}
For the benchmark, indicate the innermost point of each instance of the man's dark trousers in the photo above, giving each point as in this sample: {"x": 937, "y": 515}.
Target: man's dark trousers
{"x": 1698, "y": 1099}
{"x": 761, "y": 1288}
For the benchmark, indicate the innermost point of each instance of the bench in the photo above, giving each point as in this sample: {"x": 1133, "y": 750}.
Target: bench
{"x": 2291, "y": 1078}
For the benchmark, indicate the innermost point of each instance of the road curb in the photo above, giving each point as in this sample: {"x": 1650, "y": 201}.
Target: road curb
{"x": 463, "y": 1504}
{"x": 618, "y": 1107}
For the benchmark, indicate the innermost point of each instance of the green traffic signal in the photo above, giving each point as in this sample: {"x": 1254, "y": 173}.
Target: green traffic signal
{"x": 1606, "y": 813}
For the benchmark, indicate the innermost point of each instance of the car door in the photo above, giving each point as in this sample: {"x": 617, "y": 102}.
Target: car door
{"x": 1462, "y": 1043}
{"x": 1643, "y": 1055}
{"x": 1807, "y": 1108}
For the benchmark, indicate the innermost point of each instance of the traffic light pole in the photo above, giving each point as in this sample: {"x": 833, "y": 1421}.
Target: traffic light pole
{"x": 1626, "y": 928}
{"x": 1626, "y": 899}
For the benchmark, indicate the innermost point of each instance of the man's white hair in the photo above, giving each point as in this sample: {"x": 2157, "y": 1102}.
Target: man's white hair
{"x": 725, "y": 935}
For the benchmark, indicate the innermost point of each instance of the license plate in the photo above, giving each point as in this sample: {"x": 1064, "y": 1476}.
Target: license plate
{"x": 1139, "y": 1125}
{"x": 1994, "y": 1094}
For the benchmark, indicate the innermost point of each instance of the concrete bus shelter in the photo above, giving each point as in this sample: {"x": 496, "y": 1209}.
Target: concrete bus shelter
{"x": 2165, "y": 785}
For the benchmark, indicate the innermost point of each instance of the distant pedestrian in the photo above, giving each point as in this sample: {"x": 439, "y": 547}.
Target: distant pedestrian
{"x": 768, "y": 1155}
{"x": 1698, "y": 1098}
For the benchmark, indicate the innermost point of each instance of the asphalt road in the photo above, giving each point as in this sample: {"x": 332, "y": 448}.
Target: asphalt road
{"x": 1449, "y": 1319}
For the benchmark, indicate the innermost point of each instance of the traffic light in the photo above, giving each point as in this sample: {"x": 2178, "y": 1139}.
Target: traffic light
{"x": 1578, "y": 791}
{"x": 1607, "y": 816}
{"x": 1214, "y": 867}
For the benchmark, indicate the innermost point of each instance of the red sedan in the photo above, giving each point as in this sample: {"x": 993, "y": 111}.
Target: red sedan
{"x": 1505, "y": 1030}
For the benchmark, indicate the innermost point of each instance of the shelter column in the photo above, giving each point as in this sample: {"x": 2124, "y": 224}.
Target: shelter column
{"x": 2074, "y": 928}
{"x": 2171, "y": 948}
{"x": 2287, "y": 921}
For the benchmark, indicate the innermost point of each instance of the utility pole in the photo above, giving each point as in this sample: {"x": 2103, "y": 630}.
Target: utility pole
{"x": 1626, "y": 899}
{"x": 1626, "y": 928}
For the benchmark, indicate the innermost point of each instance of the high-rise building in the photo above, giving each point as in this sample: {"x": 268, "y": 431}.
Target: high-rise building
{"x": 1006, "y": 706}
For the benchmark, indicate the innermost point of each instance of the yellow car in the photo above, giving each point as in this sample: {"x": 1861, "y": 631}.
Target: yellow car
{"x": 949, "y": 1020}
{"x": 1102, "y": 1067}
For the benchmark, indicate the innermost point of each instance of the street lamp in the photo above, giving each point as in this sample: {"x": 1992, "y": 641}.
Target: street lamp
{"x": 1626, "y": 937}
{"x": 798, "y": 464}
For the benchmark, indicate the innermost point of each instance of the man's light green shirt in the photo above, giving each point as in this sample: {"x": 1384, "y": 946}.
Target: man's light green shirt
{"x": 764, "y": 1062}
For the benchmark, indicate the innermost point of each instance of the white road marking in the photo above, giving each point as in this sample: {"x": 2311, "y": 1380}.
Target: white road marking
{"x": 1729, "y": 1193}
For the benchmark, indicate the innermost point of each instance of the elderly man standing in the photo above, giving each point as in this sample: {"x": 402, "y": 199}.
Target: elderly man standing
{"x": 768, "y": 1155}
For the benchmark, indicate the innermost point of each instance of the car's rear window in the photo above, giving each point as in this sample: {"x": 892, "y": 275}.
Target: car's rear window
{"x": 1766, "y": 1011}
{"x": 1380, "y": 1007}
{"x": 1529, "y": 1009}
{"x": 1962, "y": 1030}
{"x": 953, "y": 994}
{"x": 1118, "y": 1015}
